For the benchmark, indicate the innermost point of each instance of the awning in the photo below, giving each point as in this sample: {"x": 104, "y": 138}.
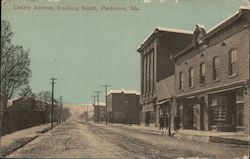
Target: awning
{"x": 163, "y": 101}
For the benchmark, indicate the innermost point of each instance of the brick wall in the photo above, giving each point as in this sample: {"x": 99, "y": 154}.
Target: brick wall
{"x": 125, "y": 107}
{"x": 239, "y": 41}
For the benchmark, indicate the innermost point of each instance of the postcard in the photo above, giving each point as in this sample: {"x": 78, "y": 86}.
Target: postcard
{"x": 125, "y": 79}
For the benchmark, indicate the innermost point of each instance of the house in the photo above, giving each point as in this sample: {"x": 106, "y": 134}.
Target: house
{"x": 157, "y": 71}
{"x": 212, "y": 76}
{"x": 123, "y": 106}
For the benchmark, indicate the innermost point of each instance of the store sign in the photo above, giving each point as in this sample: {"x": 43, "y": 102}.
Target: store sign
{"x": 147, "y": 107}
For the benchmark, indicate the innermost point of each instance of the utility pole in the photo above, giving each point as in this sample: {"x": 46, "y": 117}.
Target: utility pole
{"x": 98, "y": 106}
{"x": 1, "y": 99}
{"x": 52, "y": 100}
{"x": 94, "y": 106}
{"x": 60, "y": 109}
{"x": 87, "y": 113}
{"x": 106, "y": 95}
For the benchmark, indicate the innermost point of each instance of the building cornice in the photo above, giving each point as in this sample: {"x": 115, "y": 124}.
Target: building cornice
{"x": 156, "y": 33}
{"x": 225, "y": 87}
{"x": 213, "y": 31}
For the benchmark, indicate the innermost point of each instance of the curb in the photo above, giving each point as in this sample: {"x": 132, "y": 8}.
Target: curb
{"x": 10, "y": 151}
{"x": 28, "y": 140}
{"x": 199, "y": 138}
{"x": 214, "y": 139}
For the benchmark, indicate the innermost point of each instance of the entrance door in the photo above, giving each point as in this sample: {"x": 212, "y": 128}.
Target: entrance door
{"x": 147, "y": 118}
{"x": 202, "y": 106}
{"x": 188, "y": 116}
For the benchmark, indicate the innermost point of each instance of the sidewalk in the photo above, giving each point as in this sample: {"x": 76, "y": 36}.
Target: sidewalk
{"x": 14, "y": 141}
{"x": 239, "y": 138}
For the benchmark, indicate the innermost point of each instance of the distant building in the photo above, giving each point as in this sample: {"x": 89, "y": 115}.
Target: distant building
{"x": 157, "y": 71}
{"x": 123, "y": 107}
{"x": 99, "y": 112}
{"x": 212, "y": 77}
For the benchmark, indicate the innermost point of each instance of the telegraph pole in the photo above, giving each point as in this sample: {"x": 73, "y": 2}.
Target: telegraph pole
{"x": 1, "y": 107}
{"x": 98, "y": 106}
{"x": 52, "y": 100}
{"x": 94, "y": 103}
{"x": 87, "y": 113}
{"x": 106, "y": 95}
{"x": 60, "y": 109}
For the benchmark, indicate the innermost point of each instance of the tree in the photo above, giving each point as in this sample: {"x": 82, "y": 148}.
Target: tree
{"x": 45, "y": 96}
{"x": 15, "y": 65}
{"x": 65, "y": 114}
{"x": 26, "y": 92}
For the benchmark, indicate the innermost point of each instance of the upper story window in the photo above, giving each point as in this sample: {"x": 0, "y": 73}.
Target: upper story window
{"x": 202, "y": 73}
{"x": 215, "y": 68}
{"x": 232, "y": 61}
{"x": 181, "y": 81}
{"x": 191, "y": 77}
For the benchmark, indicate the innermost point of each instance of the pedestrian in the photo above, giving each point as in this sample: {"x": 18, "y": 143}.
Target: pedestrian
{"x": 176, "y": 123}
{"x": 161, "y": 122}
{"x": 166, "y": 121}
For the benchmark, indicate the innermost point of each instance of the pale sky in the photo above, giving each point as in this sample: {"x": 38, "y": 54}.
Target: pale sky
{"x": 85, "y": 49}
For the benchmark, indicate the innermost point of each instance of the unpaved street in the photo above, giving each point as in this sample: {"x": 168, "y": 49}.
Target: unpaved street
{"x": 76, "y": 139}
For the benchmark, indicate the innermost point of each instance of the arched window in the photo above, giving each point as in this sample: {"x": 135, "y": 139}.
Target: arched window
{"x": 191, "y": 77}
{"x": 232, "y": 62}
{"x": 202, "y": 73}
{"x": 181, "y": 81}
{"x": 215, "y": 67}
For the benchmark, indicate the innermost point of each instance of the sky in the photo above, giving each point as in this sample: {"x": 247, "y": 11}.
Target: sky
{"x": 84, "y": 49}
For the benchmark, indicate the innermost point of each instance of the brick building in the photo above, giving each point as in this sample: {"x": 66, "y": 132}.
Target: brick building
{"x": 99, "y": 112}
{"x": 157, "y": 71}
{"x": 123, "y": 107}
{"x": 212, "y": 77}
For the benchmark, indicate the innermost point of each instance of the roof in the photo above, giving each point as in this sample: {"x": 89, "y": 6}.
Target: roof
{"x": 215, "y": 29}
{"x": 124, "y": 91}
{"x": 162, "y": 29}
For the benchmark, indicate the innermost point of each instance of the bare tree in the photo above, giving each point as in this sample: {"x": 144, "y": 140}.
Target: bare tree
{"x": 15, "y": 64}
{"x": 45, "y": 96}
{"x": 26, "y": 92}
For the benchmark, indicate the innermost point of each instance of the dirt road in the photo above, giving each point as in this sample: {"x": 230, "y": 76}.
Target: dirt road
{"x": 76, "y": 139}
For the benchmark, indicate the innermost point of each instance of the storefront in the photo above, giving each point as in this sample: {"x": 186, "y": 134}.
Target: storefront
{"x": 148, "y": 114}
{"x": 222, "y": 110}
{"x": 227, "y": 110}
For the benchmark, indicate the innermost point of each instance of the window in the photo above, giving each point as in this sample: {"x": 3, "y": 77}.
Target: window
{"x": 215, "y": 66}
{"x": 191, "y": 77}
{"x": 202, "y": 73}
{"x": 181, "y": 81}
{"x": 239, "y": 108}
{"x": 232, "y": 61}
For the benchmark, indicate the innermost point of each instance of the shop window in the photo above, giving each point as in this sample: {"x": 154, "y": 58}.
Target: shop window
{"x": 202, "y": 73}
{"x": 232, "y": 61}
{"x": 214, "y": 101}
{"x": 240, "y": 107}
